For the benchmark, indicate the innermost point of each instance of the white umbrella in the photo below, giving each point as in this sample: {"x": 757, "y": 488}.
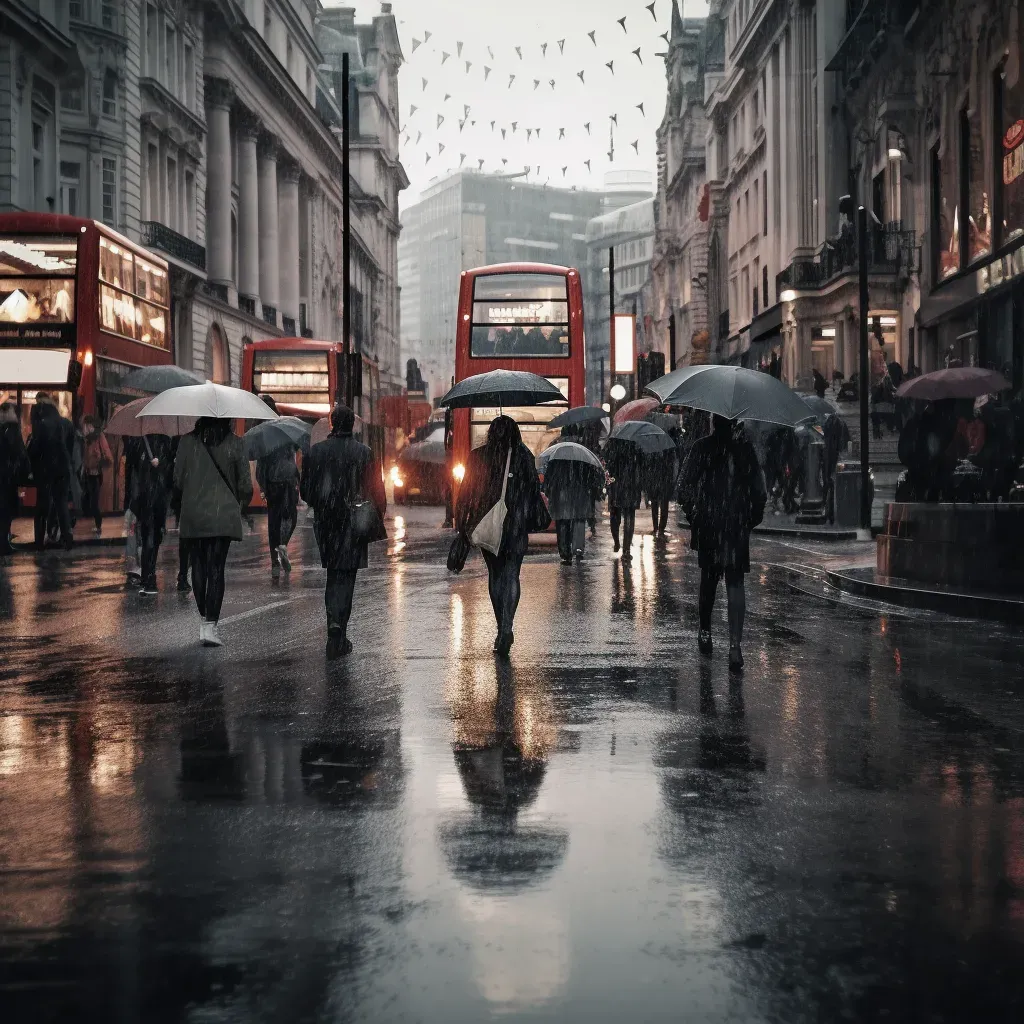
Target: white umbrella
{"x": 216, "y": 401}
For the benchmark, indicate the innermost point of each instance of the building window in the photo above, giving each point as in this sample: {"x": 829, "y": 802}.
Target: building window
{"x": 764, "y": 205}
{"x": 764, "y": 286}
{"x": 170, "y": 58}
{"x": 290, "y": 58}
{"x": 172, "y": 194}
{"x": 38, "y": 156}
{"x": 108, "y": 16}
{"x": 72, "y": 98}
{"x": 189, "y": 92}
{"x": 110, "y": 93}
{"x": 70, "y": 183}
{"x": 109, "y": 191}
{"x": 153, "y": 182}
{"x": 75, "y": 9}
{"x": 309, "y": 85}
{"x": 1011, "y": 157}
{"x": 947, "y": 212}
{"x": 190, "y": 204}
{"x": 979, "y": 222}
{"x": 152, "y": 42}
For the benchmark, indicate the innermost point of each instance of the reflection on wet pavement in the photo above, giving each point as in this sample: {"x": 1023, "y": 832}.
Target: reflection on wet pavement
{"x": 604, "y": 828}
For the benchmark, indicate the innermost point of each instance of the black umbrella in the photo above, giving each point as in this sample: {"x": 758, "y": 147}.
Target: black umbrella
{"x": 581, "y": 414}
{"x": 268, "y": 436}
{"x": 646, "y": 436}
{"x": 501, "y": 388}
{"x": 152, "y": 380}
{"x": 430, "y": 451}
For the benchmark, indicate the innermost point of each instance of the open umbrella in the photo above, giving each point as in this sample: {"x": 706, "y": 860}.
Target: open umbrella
{"x": 152, "y": 380}
{"x": 638, "y": 409}
{"x": 270, "y": 435}
{"x": 430, "y": 451}
{"x": 567, "y": 451}
{"x": 575, "y": 417}
{"x": 500, "y": 388}
{"x": 217, "y": 401}
{"x": 646, "y": 436}
{"x": 955, "y": 382}
{"x": 125, "y": 422}
{"x": 733, "y": 392}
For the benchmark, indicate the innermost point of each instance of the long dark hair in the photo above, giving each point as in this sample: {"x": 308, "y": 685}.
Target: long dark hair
{"x": 503, "y": 434}
{"x": 210, "y": 431}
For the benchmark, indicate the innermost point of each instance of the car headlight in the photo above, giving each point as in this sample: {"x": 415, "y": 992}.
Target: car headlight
{"x": 459, "y": 472}
{"x": 396, "y": 477}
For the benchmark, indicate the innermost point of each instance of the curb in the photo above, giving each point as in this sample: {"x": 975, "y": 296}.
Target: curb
{"x": 978, "y": 606}
{"x": 792, "y": 531}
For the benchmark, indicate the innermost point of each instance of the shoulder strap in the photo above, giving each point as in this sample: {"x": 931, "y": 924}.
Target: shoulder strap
{"x": 223, "y": 475}
{"x": 504, "y": 479}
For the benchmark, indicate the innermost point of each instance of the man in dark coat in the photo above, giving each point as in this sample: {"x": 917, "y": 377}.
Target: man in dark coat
{"x": 625, "y": 467}
{"x": 278, "y": 478}
{"x": 723, "y": 494}
{"x": 14, "y": 470}
{"x": 335, "y": 474}
{"x": 660, "y": 470}
{"x": 50, "y": 449}
{"x": 572, "y": 488}
{"x": 152, "y": 459}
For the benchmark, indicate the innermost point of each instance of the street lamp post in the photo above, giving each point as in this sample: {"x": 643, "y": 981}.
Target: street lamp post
{"x": 346, "y": 251}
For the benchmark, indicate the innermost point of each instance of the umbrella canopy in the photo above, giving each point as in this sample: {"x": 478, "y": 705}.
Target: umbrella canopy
{"x": 732, "y": 392}
{"x": 820, "y": 408}
{"x": 270, "y": 435}
{"x": 568, "y": 451}
{"x": 956, "y": 382}
{"x": 322, "y": 429}
{"x": 574, "y": 417}
{"x": 430, "y": 451}
{"x": 152, "y": 380}
{"x": 125, "y": 422}
{"x": 502, "y": 387}
{"x": 217, "y": 401}
{"x": 666, "y": 420}
{"x": 646, "y": 436}
{"x": 638, "y": 409}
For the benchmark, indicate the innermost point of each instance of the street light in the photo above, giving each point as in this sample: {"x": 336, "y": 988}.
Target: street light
{"x": 617, "y": 392}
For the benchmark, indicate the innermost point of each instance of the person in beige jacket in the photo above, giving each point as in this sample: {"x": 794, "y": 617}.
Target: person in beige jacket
{"x": 212, "y": 474}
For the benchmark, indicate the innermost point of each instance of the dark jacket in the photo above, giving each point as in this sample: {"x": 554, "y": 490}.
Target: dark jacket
{"x": 14, "y": 468}
{"x": 660, "y": 470}
{"x": 211, "y": 506}
{"x": 277, "y": 468}
{"x": 335, "y": 473}
{"x": 51, "y": 445}
{"x": 151, "y": 485}
{"x": 723, "y": 493}
{"x": 625, "y": 466}
{"x": 481, "y": 490}
{"x": 572, "y": 488}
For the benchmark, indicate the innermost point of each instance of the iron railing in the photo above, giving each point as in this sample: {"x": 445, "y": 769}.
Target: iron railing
{"x": 270, "y": 314}
{"x": 891, "y": 250}
{"x": 247, "y": 305}
{"x": 288, "y": 326}
{"x": 160, "y": 236}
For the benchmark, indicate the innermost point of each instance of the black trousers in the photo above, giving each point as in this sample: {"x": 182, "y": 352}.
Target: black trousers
{"x": 626, "y": 517}
{"x": 659, "y": 514}
{"x": 150, "y": 531}
{"x": 571, "y": 535}
{"x": 282, "y": 512}
{"x": 503, "y": 587}
{"x": 341, "y": 585}
{"x": 52, "y": 495}
{"x": 183, "y": 559}
{"x": 91, "y": 497}
{"x": 709, "y": 578}
{"x": 209, "y": 555}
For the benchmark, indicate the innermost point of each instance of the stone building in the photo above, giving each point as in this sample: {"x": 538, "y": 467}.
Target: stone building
{"x": 210, "y": 132}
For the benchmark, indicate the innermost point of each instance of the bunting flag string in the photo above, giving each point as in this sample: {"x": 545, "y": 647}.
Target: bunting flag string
{"x": 610, "y": 65}
{"x": 622, "y": 22}
{"x": 444, "y": 57}
{"x": 561, "y": 46}
{"x": 650, "y": 7}
{"x": 458, "y": 49}
{"x": 636, "y": 53}
{"x": 640, "y": 107}
{"x": 593, "y": 36}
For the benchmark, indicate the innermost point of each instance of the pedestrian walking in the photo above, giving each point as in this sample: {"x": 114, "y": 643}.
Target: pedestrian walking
{"x": 277, "y": 476}
{"x": 50, "y": 449}
{"x": 571, "y": 489}
{"x": 503, "y": 463}
{"x": 212, "y": 473}
{"x": 660, "y": 470}
{"x": 184, "y": 554}
{"x": 625, "y": 467}
{"x": 723, "y": 494}
{"x": 339, "y": 476}
{"x": 96, "y": 459}
{"x": 152, "y": 461}
{"x": 14, "y": 470}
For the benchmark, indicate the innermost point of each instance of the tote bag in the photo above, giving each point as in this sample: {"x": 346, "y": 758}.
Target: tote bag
{"x": 487, "y": 534}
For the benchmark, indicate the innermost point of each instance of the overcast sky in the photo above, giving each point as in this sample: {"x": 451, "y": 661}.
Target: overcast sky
{"x": 489, "y": 33}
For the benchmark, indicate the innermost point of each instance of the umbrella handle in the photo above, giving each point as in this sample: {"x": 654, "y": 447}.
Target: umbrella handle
{"x": 149, "y": 451}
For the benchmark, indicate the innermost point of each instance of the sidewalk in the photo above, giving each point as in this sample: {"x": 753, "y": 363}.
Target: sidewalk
{"x": 783, "y": 525}
{"x": 85, "y": 537}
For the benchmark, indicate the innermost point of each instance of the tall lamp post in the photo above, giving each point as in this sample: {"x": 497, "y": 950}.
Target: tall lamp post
{"x": 346, "y": 250}
{"x": 846, "y": 206}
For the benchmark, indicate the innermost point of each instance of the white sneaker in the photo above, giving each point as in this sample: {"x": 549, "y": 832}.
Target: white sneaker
{"x": 212, "y": 638}
{"x": 202, "y": 632}
{"x": 286, "y": 562}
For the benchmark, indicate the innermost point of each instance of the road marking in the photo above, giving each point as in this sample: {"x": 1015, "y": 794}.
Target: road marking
{"x": 259, "y": 611}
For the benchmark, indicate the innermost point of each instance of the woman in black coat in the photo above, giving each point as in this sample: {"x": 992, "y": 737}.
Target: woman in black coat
{"x": 152, "y": 461}
{"x": 481, "y": 491}
{"x": 660, "y": 472}
{"x": 625, "y": 467}
{"x": 723, "y": 494}
{"x": 14, "y": 470}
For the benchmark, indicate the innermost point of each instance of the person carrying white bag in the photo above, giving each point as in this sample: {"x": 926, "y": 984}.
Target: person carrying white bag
{"x": 498, "y": 507}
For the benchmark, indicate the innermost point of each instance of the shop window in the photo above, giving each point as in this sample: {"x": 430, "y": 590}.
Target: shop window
{"x": 1011, "y": 146}
{"x": 979, "y": 222}
{"x": 947, "y": 213}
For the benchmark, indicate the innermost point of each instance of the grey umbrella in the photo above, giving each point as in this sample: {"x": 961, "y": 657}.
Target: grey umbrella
{"x": 500, "y": 388}
{"x": 646, "y": 436}
{"x": 574, "y": 417}
{"x": 567, "y": 451}
{"x": 821, "y": 408}
{"x": 270, "y": 435}
{"x": 733, "y": 392}
{"x": 151, "y": 380}
{"x": 430, "y": 451}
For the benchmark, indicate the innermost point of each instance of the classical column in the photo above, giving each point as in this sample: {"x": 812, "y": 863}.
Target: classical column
{"x": 219, "y": 97}
{"x": 288, "y": 211}
{"x": 269, "y": 243}
{"x": 248, "y": 207}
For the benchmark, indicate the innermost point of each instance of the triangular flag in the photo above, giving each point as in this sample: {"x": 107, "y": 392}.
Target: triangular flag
{"x": 465, "y": 110}
{"x": 561, "y": 133}
{"x": 469, "y": 64}
{"x": 428, "y": 159}
{"x": 492, "y": 126}
{"x": 587, "y": 126}
{"x": 416, "y": 43}
{"x": 536, "y": 84}
{"x": 424, "y": 85}
{"x": 650, "y": 7}
{"x": 636, "y": 145}
{"x": 444, "y": 56}
{"x": 480, "y": 164}
{"x": 419, "y": 135}
{"x": 640, "y": 107}
{"x": 519, "y": 50}
{"x": 502, "y": 134}
{"x": 664, "y": 35}
{"x": 491, "y": 52}
{"x": 472, "y": 124}
{"x": 592, "y": 35}
{"x": 462, "y": 159}
{"x": 636, "y": 53}
{"x": 447, "y": 97}
{"x": 587, "y": 162}
{"x": 504, "y": 162}
{"x": 564, "y": 169}
{"x": 440, "y": 120}
{"x": 579, "y": 75}
{"x": 529, "y": 132}
{"x": 610, "y": 65}
{"x": 561, "y": 46}
{"x": 462, "y": 124}
{"x": 543, "y": 49}
{"x": 622, "y": 22}
{"x": 413, "y": 109}
{"x": 511, "y": 79}
{"x": 427, "y": 35}
{"x": 487, "y": 71}
{"x": 552, "y": 83}
{"x": 615, "y": 119}
{"x": 458, "y": 49}
{"x": 515, "y": 125}
{"x": 440, "y": 148}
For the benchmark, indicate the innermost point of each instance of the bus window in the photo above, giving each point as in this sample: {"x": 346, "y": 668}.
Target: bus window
{"x": 520, "y": 316}
{"x": 297, "y": 379}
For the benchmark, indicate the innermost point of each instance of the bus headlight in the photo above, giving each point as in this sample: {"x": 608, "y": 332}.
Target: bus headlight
{"x": 459, "y": 472}
{"x": 396, "y": 477}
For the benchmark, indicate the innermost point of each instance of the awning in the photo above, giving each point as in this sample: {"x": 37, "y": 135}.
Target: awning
{"x": 769, "y": 322}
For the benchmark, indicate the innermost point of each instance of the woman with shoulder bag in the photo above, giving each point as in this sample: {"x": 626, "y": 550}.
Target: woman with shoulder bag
{"x": 212, "y": 474}
{"x": 501, "y": 485}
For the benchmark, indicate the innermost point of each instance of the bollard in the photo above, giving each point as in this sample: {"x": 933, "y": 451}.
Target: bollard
{"x": 812, "y": 504}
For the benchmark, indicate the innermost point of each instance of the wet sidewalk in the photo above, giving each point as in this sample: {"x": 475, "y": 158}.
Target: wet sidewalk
{"x": 111, "y": 532}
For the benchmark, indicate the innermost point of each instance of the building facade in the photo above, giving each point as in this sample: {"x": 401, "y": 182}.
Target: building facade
{"x": 210, "y": 132}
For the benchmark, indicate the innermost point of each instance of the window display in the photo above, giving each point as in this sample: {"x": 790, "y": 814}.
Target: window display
{"x": 1011, "y": 145}
{"x": 949, "y": 214}
{"x": 980, "y": 216}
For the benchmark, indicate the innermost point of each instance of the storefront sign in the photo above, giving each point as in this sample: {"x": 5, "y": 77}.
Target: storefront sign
{"x": 999, "y": 272}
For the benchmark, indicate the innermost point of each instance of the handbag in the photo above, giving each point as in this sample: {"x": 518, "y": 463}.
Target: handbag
{"x": 365, "y": 523}
{"x": 458, "y": 553}
{"x": 489, "y": 530}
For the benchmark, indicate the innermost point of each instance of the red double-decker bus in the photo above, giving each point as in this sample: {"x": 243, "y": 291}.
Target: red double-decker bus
{"x": 518, "y": 316}
{"x": 80, "y": 307}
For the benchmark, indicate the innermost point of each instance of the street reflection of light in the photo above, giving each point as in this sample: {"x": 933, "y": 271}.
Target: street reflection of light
{"x": 883, "y": 625}
{"x": 112, "y": 765}
{"x": 898, "y": 660}
{"x": 12, "y": 742}
{"x": 399, "y": 534}
{"x": 458, "y": 622}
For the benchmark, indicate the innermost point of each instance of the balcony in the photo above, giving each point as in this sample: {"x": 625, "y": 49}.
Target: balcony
{"x": 288, "y": 326}
{"x": 891, "y": 250}
{"x": 270, "y": 314}
{"x": 160, "y": 236}
{"x": 247, "y": 305}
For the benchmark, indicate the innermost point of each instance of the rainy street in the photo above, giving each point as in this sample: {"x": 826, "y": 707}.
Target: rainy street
{"x": 603, "y": 827}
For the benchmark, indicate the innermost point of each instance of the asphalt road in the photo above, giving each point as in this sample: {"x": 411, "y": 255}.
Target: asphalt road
{"x": 605, "y": 828}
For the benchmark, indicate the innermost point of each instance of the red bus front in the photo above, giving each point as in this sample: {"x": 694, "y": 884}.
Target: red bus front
{"x": 73, "y": 291}
{"x": 518, "y": 316}
{"x": 301, "y": 375}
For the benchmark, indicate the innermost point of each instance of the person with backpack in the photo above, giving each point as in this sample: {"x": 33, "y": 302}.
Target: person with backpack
{"x": 212, "y": 473}
{"x": 343, "y": 485}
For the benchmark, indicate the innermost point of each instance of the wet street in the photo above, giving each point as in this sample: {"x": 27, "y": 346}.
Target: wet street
{"x": 604, "y": 828}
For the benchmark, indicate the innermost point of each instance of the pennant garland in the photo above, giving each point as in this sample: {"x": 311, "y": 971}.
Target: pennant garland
{"x": 561, "y": 46}
{"x": 650, "y": 7}
{"x": 636, "y": 53}
{"x": 593, "y": 36}
{"x": 444, "y": 57}
{"x": 458, "y": 49}
{"x": 622, "y": 22}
